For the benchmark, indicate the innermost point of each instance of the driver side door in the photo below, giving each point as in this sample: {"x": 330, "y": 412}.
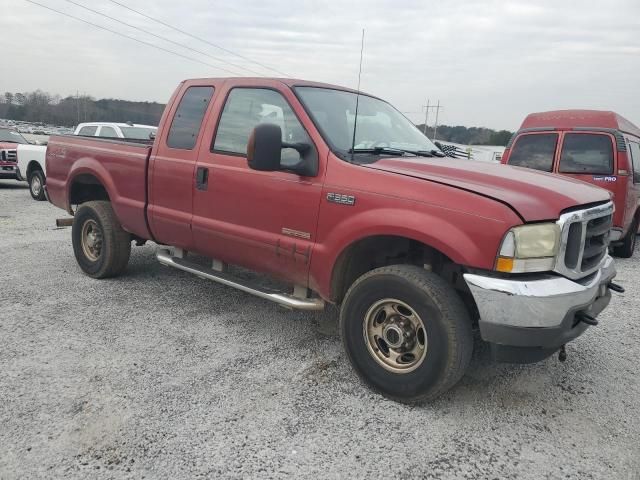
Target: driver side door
{"x": 264, "y": 221}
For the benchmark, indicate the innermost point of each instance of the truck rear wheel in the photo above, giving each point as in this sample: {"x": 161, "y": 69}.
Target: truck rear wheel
{"x": 625, "y": 250}
{"x": 101, "y": 246}
{"x": 36, "y": 185}
{"x": 406, "y": 332}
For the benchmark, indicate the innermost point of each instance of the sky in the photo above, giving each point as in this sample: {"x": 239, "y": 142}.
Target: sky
{"x": 489, "y": 62}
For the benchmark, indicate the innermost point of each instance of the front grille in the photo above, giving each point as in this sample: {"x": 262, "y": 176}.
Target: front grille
{"x": 585, "y": 240}
{"x": 8, "y": 155}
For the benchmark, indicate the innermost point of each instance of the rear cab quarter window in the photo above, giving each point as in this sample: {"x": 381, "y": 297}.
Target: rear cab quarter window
{"x": 534, "y": 150}
{"x": 187, "y": 120}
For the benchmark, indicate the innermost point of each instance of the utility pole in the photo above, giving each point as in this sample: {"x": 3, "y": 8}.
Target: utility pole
{"x": 78, "y": 104}
{"x": 435, "y": 127}
{"x": 426, "y": 117}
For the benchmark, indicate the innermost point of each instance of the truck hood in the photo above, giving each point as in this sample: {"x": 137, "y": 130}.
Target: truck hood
{"x": 8, "y": 146}
{"x": 534, "y": 195}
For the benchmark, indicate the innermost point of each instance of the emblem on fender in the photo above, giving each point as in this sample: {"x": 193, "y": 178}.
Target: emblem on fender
{"x": 341, "y": 199}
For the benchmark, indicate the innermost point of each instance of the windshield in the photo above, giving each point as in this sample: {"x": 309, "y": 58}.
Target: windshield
{"x": 11, "y": 136}
{"x": 379, "y": 125}
{"x": 138, "y": 133}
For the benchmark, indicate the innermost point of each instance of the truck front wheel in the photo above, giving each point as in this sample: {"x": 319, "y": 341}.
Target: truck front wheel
{"x": 101, "y": 246}
{"x": 406, "y": 332}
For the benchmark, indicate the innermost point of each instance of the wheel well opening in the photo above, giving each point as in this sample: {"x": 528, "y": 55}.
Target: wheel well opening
{"x": 86, "y": 188}
{"x": 383, "y": 250}
{"x": 33, "y": 166}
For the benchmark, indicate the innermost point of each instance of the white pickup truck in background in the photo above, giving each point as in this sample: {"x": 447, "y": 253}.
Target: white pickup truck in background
{"x": 31, "y": 164}
{"x": 31, "y": 167}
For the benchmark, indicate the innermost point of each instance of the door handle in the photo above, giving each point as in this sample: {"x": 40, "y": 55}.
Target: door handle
{"x": 202, "y": 178}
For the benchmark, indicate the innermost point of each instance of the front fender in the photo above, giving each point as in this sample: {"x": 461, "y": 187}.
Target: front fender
{"x": 467, "y": 239}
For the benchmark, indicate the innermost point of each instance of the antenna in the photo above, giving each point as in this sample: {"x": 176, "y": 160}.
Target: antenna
{"x": 355, "y": 118}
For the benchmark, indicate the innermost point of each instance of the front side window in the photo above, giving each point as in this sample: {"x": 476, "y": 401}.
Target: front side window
{"x": 634, "y": 148}
{"x": 587, "y": 153}
{"x": 187, "y": 120}
{"x": 88, "y": 131}
{"x": 535, "y": 151}
{"x": 247, "y": 107}
{"x": 379, "y": 125}
{"x": 108, "y": 132}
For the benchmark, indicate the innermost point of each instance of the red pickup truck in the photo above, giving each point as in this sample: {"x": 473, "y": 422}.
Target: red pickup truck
{"x": 598, "y": 147}
{"x": 341, "y": 197}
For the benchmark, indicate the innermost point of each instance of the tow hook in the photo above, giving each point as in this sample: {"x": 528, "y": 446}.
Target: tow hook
{"x": 615, "y": 287}
{"x": 562, "y": 354}
{"x": 586, "y": 318}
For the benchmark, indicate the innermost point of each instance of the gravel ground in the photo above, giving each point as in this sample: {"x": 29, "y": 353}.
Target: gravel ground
{"x": 158, "y": 374}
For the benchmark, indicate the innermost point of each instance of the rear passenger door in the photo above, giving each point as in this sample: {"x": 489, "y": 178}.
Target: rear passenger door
{"x": 171, "y": 177}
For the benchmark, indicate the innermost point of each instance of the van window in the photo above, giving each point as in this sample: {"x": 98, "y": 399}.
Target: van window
{"x": 88, "y": 131}
{"x": 634, "y": 148}
{"x": 248, "y": 107}
{"x": 586, "y": 153}
{"x": 187, "y": 120}
{"x": 535, "y": 151}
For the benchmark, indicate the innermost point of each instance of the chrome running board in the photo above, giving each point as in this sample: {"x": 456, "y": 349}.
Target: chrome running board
{"x": 286, "y": 300}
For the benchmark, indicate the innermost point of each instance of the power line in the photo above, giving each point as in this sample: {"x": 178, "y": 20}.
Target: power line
{"x": 199, "y": 38}
{"x": 163, "y": 38}
{"x": 131, "y": 38}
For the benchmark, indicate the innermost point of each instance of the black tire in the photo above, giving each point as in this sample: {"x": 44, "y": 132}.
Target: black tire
{"x": 112, "y": 255}
{"x": 625, "y": 250}
{"x": 446, "y": 321}
{"x": 36, "y": 185}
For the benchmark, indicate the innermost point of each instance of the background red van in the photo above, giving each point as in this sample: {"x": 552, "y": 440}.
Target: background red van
{"x": 598, "y": 147}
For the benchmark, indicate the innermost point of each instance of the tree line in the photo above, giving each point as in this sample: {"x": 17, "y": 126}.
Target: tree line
{"x": 39, "y": 106}
{"x": 469, "y": 135}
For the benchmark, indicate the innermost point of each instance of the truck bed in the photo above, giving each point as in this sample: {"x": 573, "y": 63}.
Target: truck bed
{"x": 119, "y": 165}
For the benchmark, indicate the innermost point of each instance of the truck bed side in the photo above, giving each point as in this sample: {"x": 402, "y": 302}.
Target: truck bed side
{"x": 82, "y": 168}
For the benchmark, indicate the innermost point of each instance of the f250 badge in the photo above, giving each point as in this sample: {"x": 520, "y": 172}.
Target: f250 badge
{"x": 341, "y": 199}
{"x": 603, "y": 178}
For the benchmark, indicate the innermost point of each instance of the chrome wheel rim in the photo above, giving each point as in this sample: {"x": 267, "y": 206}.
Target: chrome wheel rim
{"x": 36, "y": 185}
{"x": 395, "y": 336}
{"x": 91, "y": 238}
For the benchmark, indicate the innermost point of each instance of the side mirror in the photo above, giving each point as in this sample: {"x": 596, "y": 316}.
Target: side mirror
{"x": 264, "y": 152}
{"x": 265, "y": 147}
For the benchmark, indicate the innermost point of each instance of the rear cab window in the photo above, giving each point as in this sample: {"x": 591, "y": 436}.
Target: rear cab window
{"x": 88, "y": 131}
{"x": 588, "y": 153}
{"x": 108, "y": 132}
{"x": 534, "y": 150}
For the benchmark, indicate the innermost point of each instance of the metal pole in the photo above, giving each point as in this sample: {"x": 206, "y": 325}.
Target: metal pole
{"x": 426, "y": 117}
{"x": 435, "y": 126}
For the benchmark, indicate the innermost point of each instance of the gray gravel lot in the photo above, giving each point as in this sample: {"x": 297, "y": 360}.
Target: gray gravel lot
{"x": 158, "y": 374}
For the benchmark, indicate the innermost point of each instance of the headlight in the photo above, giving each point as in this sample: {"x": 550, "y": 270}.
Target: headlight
{"x": 529, "y": 248}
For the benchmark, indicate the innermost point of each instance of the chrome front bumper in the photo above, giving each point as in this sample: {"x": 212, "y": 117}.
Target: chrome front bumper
{"x": 538, "y": 312}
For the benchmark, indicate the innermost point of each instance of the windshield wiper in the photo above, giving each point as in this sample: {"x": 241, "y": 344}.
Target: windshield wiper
{"x": 379, "y": 151}
{"x": 398, "y": 151}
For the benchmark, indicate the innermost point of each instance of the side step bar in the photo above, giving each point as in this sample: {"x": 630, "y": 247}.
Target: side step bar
{"x": 286, "y": 300}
